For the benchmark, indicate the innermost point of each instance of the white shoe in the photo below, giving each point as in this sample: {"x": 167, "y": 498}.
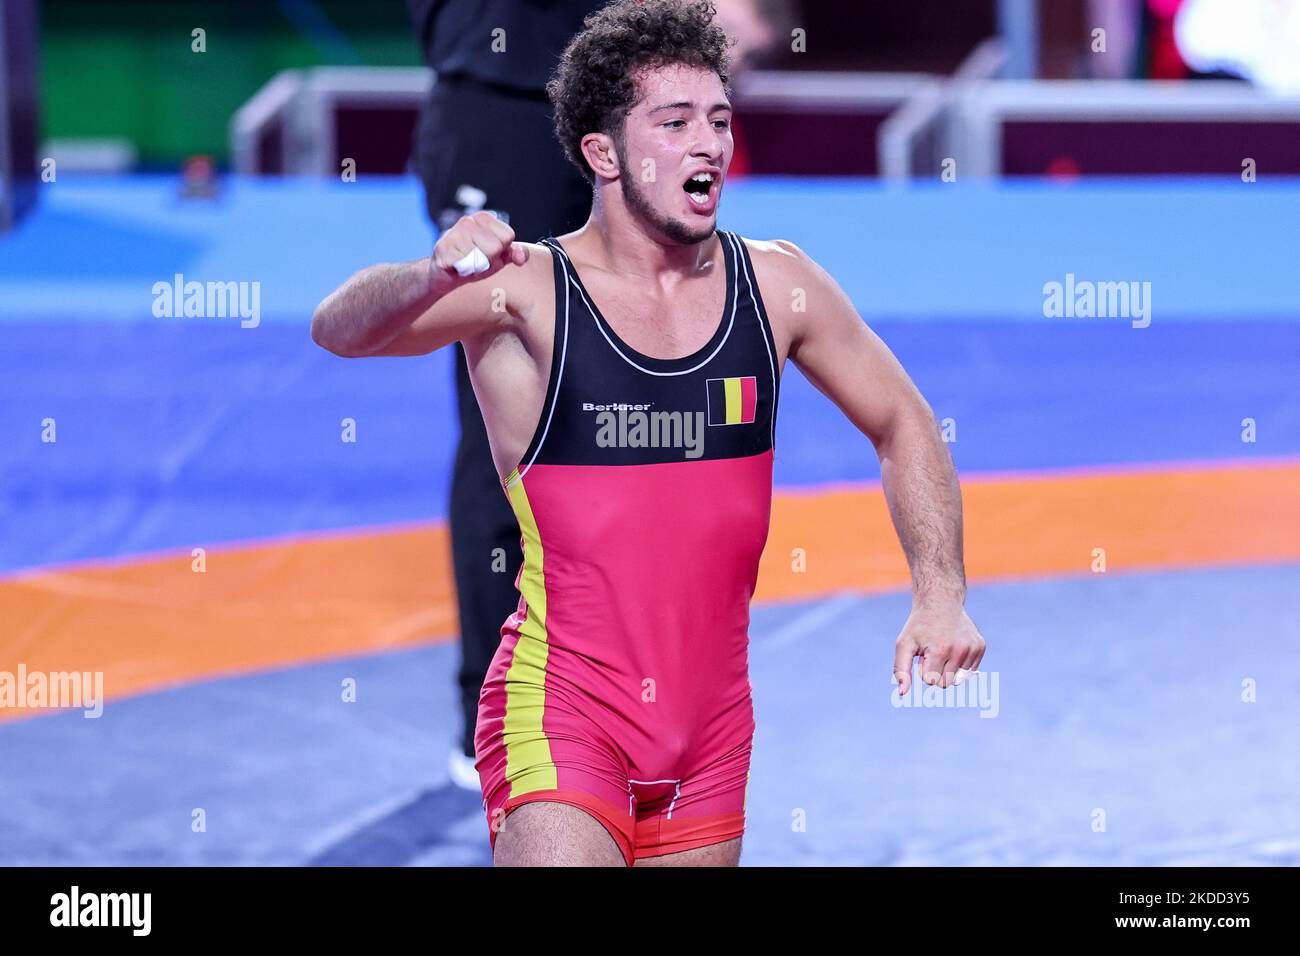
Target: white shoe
{"x": 462, "y": 771}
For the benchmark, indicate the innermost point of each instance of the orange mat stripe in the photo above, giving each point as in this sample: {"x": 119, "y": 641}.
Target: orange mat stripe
{"x": 1046, "y": 525}
{"x": 152, "y": 623}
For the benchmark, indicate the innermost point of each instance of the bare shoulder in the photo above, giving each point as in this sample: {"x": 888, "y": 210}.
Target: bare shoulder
{"x": 531, "y": 296}
{"x": 794, "y": 288}
{"x": 520, "y": 297}
{"x": 779, "y": 262}
{"x": 777, "y": 249}
{"x": 526, "y": 283}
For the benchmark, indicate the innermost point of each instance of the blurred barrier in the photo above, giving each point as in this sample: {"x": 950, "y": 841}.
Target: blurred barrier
{"x": 994, "y": 127}
{"x": 259, "y": 130}
{"x": 899, "y": 126}
{"x": 1124, "y": 127}
{"x": 1018, "y": 25}
{"x": 307, "y": 122}
{"x": 821, "y": 124}
{"x": 916, "y": 139}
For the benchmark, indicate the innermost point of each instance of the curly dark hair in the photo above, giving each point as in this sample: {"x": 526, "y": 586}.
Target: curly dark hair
{"x": 593, "y": 89}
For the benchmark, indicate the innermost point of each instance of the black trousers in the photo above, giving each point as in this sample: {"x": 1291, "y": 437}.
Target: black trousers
{"x": 502, "y": 144}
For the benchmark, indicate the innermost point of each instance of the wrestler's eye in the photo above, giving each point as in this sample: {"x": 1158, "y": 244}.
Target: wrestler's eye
{"x": 675, "y": 123}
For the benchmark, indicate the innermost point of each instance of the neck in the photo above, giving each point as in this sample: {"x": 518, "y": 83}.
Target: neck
{"x": 623, "y": 242}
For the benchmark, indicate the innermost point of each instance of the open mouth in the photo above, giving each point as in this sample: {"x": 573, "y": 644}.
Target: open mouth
{"x": 699, "y": 187}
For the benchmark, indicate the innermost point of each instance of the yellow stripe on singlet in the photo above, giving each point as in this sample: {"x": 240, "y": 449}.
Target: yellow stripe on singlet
{"x": 732, "y": 391}
{"x": 528, "y": 752}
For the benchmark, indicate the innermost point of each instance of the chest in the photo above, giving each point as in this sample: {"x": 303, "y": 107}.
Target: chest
{"x": 658, "y": 323}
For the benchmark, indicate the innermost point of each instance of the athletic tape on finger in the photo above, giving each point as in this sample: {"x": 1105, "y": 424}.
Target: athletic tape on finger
{"x": 472, "y": 263}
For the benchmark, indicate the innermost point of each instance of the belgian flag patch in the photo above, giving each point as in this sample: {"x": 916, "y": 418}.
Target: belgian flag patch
{"x": 732, "y": 401}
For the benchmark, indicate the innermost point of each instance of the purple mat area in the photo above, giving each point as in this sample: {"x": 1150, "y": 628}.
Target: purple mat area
{"x": 171, "y": 435}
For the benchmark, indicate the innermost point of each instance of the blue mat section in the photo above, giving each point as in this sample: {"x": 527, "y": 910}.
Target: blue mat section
{"x": 182, "y": 436}
{"x": 1120, "y": 694}
{"x": 95, "y": 247}
{"x": 1210, "y": 249}
{"x": 1116, "y": 693}
{"x": 176, "y": 436}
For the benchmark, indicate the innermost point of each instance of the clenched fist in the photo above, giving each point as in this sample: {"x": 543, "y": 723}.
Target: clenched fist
{"x": 476, "y": 247}
{"x": 947, "y": 641}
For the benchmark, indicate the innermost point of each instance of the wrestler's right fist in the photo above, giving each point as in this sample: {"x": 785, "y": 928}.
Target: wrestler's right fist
{"x": 476, "y": 247}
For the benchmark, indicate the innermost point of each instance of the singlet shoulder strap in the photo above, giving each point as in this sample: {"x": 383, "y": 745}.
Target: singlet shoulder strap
{"x": 749, "y": 278}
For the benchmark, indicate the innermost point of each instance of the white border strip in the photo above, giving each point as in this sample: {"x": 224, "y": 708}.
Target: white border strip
{"x": 828, "y": 92}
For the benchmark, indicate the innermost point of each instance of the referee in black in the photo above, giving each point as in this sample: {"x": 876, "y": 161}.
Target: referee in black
{"x": 485, "y": 141}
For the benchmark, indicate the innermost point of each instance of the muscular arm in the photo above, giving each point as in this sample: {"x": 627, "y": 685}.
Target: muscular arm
{"x": 849, "y": 364}
{"x": 373, "y": 308}
{"x": 412, "y": 308}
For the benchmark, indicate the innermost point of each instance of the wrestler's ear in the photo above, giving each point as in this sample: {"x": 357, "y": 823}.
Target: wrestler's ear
{"x": 601, "y": 153}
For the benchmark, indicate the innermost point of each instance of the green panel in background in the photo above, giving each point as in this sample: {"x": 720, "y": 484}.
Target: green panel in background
{"x": 126, "y": 70}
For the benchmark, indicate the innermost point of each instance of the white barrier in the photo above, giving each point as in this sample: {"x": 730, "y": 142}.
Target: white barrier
{"x": 981, "y": 111}
{"x": 914, "y": 140}
{"x": 299, "y": 105}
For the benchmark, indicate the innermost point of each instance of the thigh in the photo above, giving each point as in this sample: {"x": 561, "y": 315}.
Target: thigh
{"x": 554, "y": 834}
{"x": 719, "y": 854}
{"x": 536, "y": 743}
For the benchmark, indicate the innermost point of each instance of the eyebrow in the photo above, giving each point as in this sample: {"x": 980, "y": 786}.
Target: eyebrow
{"x": 688, "y": 105}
